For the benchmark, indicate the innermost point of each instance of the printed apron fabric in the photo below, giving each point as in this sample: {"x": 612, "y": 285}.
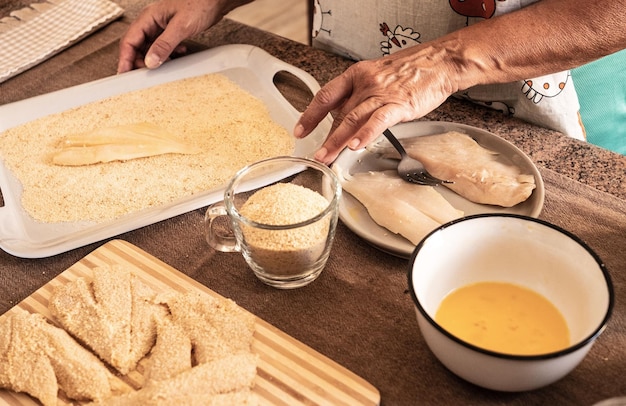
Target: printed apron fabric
{"x": 382, "y": 27}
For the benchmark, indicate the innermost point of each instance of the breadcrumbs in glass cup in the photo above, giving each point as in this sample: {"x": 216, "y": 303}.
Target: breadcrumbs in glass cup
{"x": 283, "y": 212}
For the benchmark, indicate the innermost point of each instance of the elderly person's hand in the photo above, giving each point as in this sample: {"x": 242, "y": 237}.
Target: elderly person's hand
{"x": 373, "y": 95}
{"x": 162, "y": 26}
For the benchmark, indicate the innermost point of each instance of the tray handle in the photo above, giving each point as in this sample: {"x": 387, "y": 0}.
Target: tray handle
{"x": 7, "y": 216}
{"x": 3, "y": 216}
{"x": 270, "y": 66}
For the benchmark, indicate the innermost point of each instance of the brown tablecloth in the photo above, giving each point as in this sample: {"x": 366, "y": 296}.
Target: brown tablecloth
{"x": 359, "y": 312}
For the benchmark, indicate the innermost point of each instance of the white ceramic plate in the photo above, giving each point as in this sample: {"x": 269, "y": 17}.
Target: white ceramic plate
{"x": 250, "y": 67}
{"x": 355, "y": 216}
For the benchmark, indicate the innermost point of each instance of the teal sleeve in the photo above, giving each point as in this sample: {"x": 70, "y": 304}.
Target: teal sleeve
{"x": 601, "y": 89}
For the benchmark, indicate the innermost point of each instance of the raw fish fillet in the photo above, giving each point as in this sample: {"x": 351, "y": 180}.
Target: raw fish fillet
{"x": 121, "y": 143}
{"x": 403, "y": 208}
{"x": 479, "y": 174}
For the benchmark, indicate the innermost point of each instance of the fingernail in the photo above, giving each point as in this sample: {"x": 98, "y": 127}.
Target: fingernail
{"x": 321, "y": 154}
{"x": 152, "y": 61}
{"x": 354, "y": 143}
{"x": 298, "y": 131}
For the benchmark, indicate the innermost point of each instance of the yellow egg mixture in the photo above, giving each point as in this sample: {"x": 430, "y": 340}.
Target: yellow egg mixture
{"x": 504, "y": 317}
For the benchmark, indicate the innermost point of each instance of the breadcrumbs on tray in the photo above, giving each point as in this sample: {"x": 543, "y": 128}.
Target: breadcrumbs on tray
{"x": 230, "y": 126}
{"x": 292, "y": 251}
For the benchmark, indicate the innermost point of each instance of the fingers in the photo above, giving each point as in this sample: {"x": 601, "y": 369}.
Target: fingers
{"x": 158, "y": 31}
{"x": 159, "y": 52}
{"x": 126, "y": 62}
{"x": 132, "y": 47}
{"x": 327, "y": 99}
{"x": 140, "y": 35}
{"x": 177, "y": 30}
{"x": 360, "y": 115}
{"x": 358, "y": 128}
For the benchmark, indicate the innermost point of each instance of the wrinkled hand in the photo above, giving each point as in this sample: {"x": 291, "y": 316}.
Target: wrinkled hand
{"x": 373, "y": 95}
{"x": 162, "y": 26}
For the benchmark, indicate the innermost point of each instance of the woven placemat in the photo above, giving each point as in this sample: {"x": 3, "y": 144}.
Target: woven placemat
{"x": 33, "y": 34}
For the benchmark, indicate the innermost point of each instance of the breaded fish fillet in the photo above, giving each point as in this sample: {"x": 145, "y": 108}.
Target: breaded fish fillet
{"x": 39, "y": 359}
{"x": 171, "y": 354}
{"x": 112, "y": 313}
{"x": 212, "y": 383}
{"x": 216, "y": 327}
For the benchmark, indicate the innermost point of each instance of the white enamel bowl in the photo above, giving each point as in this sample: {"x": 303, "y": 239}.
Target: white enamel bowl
{"x": 514, "y": 249}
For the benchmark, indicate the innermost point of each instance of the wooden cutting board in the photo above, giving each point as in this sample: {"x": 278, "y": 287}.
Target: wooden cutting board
{"x": 289, "y": 372}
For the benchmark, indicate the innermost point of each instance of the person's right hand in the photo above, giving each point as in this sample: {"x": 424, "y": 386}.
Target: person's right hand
{"x": 373, "y": 95}
{"x": 162, "y": 26}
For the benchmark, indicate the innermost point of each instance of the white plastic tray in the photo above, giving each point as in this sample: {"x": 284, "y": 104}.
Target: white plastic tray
{"x": 250, "y": 67}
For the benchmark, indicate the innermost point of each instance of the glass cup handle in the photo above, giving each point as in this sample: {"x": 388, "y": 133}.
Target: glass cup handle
{"x": 220, "y": 241}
